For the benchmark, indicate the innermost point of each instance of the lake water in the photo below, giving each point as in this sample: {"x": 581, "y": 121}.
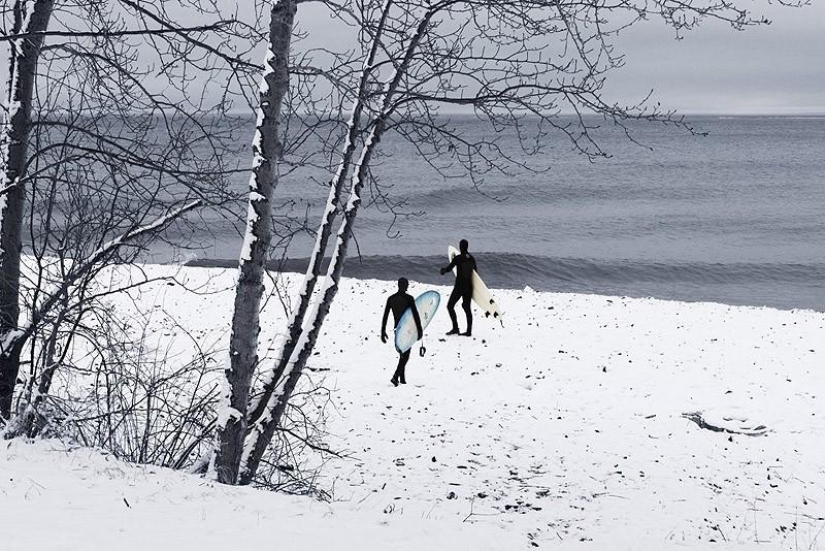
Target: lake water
{"x": 737, "y": 216}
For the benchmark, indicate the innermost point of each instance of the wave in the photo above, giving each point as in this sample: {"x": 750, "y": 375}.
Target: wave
{"x": 781, "y": 285}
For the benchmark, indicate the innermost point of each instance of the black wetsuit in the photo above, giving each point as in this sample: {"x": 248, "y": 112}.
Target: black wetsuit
{"x": 464, "y": 264}
{"x": 398, "y": 303}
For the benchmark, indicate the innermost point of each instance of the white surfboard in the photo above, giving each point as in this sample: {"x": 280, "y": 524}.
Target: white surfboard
{"x": 481, "y": 294}
{"x": 406, "y": 333}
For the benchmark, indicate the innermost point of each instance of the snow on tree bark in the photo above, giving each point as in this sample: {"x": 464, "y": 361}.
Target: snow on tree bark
{"x": 31, "y": 19}
{"x": 296, "y": 321}
{"x": 243, "y": 346}
{"x": 264, "y": 429}
{"x": 505, "y": 89}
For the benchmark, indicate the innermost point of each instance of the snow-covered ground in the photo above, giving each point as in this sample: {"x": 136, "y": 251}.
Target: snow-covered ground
{"x": 578, "y": 421}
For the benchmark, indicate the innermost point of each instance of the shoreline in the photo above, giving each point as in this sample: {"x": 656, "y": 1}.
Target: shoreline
{"x": 371, "y": 267}
{"x": 570, "y": 423}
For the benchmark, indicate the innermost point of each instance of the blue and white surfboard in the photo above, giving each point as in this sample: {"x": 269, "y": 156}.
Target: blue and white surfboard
{"x": 406, "y": 333}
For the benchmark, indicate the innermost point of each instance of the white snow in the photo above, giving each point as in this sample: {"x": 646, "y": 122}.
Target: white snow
{"x": 249, "y": 238}
{"x": 7, "y": 340}
{"x": 227, "y": 414}
{"x": 5, "y": 144}
{"x": 258, "y": 159}
{"x": 94, "y": 502}
{"x": 139, "y": 231}
{"x": 567, "y": 427}
{"x": 10, "y": 111}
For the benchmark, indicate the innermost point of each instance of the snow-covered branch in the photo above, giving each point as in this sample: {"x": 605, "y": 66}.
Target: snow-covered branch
{"x": 83, "y": 268}
{"x": 296, "y": 321}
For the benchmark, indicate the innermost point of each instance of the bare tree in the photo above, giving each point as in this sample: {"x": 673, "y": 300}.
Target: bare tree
{"x": 243, "y": 346}
{"x": 517, "y": 65}
{"x": 116, "y": 144}
{"x": 243, "y": 350}
{"x": 29, "y": 18}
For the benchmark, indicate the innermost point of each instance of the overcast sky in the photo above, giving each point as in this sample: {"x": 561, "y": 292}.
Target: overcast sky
{"x": 770, "y": 69}
{"x": 775, "y": 69}
{"x": 779, "y": 68}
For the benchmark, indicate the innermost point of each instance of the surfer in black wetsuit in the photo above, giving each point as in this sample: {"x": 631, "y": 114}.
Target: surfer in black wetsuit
{"x": 465, "y": 264}
{"x": 398, "y": 303}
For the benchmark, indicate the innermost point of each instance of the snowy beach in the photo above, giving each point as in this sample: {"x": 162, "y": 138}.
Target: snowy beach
{"x": 629, "y": 423}
{"x": 210, "y": 208}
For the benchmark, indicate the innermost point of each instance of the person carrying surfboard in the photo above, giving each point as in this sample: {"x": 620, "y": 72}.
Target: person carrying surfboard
{"x": 464, "y": 265}
{"x": 398, "y": 303}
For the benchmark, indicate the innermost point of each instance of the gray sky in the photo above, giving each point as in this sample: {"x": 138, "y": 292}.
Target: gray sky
{"x": 775, "y": 69}
{"x": 769, "y": 69}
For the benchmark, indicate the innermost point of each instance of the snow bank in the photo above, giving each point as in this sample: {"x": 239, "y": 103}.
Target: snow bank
{"x": 579, "y": 421}
{"x": 56, "y": 498}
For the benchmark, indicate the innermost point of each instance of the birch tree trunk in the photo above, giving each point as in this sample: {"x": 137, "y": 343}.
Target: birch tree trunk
{"x": 264, "y": 429}
{"x": 30, "y": 19}
{"x": 515, "y": 76}
{"x": 243, "y": 345}
{"x": 258, "y": 407}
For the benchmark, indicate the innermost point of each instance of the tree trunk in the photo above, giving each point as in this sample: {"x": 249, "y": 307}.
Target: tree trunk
{"x": 243, "y": 345}
{"x": 31, "y": 17}
{"x": 264, "y": 429}
{"x": 296, "y": 322}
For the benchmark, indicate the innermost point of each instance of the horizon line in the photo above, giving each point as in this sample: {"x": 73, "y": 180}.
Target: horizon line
{"x": 698, "y": 113}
